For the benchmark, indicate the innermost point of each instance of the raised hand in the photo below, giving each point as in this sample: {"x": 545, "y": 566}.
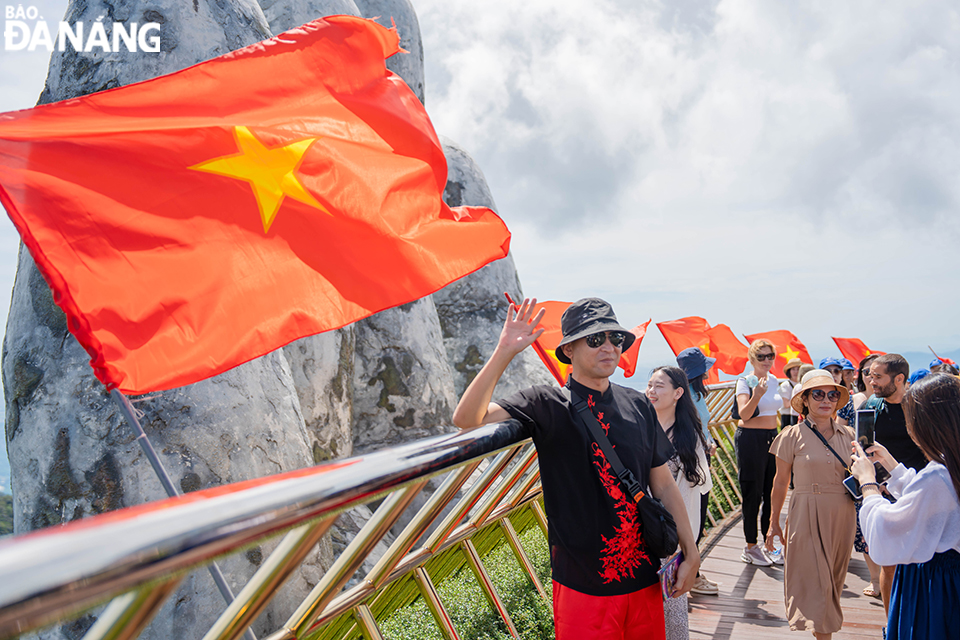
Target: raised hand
{"x": 520, "y": 328}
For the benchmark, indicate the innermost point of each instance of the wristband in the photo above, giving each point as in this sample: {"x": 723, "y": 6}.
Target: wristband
{"x": 868, "y": 484}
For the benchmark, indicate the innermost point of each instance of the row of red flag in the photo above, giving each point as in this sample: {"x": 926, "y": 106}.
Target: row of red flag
{"x": 715, "y": 342}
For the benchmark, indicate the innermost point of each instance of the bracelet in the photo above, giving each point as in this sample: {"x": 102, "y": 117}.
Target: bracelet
{"x": 868, "y": 484}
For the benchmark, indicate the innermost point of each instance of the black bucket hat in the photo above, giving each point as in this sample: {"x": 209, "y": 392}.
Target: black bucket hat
{"x": 585, "y": 317}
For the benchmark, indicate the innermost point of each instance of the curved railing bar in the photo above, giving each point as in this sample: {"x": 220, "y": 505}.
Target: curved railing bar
{"x": 50, "y": 574}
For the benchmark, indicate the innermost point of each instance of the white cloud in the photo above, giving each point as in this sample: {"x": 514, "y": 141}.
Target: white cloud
{"x": 739, "y": 160}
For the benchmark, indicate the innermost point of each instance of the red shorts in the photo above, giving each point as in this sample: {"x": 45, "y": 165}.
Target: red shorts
{"x": 634, "y": 616}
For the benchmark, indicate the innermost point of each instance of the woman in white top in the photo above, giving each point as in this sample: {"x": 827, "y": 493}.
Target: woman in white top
{"x": 669, "y": 393}
{"x": 920, "y": 532}
{"x": 758, "y": 404}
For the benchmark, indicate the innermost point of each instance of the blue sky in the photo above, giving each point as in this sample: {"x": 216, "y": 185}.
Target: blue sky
{"x": 763, "y": 164}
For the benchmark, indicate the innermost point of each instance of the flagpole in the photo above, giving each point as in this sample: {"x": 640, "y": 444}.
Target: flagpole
{"x": 147, "y": 447}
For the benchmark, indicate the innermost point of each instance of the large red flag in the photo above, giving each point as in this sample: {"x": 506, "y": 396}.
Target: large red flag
{"x": 689, "y": 332}
{"x": 193, "y": 222}
{"x": 854, "y": 350}
{"x": 731, "y": 354}
{"x": 788, "y": 346}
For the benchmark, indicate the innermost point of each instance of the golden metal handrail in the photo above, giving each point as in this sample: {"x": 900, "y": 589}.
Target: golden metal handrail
{"x": 137, "y": 556}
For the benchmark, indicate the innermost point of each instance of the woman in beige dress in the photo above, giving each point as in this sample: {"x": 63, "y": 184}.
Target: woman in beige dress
{"x": 821, "y": 520}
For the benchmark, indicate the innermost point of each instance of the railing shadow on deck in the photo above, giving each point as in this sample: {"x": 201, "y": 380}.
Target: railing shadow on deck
{"x": 136, "y": 557}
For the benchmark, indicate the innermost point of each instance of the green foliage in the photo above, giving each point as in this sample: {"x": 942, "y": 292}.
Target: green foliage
{"x": 469, "y": 609}
{"x": 6, "y": 515}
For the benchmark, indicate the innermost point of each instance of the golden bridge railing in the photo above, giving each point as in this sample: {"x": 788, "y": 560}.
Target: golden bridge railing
{"x": 136, "y": 557}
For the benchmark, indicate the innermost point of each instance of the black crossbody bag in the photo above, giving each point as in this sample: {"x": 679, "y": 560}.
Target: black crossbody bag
{"x": 659, "y": 527}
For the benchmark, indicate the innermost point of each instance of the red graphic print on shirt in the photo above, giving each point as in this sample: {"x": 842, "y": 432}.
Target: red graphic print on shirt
{"x": 622, "y": 553}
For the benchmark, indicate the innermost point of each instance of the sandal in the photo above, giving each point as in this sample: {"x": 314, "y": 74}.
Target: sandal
{"x": 871, "y": 592}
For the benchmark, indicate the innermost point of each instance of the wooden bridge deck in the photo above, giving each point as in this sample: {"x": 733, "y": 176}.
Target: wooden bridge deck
{"x": 750, "y": 604}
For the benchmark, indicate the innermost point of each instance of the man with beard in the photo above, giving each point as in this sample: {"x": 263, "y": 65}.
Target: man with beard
{"x": 888, "y": 377}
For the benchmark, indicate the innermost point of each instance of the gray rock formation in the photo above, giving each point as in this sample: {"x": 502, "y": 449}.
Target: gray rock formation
{"x": 323, "y": 371}
{"x": 403, "y": 385}
{"x": 408, "y": 66}
{"x": 472, "y": 309}
{"x": 284, "y": 15}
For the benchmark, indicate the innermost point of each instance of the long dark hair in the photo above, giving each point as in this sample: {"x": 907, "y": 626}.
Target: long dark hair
{"x": 932, "y": 409}
{"x": 686, "y": 428}
{"x": 697, "y": 386}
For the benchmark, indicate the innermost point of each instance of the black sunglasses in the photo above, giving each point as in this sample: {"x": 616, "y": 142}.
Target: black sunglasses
{"x": 765, "y": 356}
{"x": 595, "y": 340}
{"x": 820, "y": 394}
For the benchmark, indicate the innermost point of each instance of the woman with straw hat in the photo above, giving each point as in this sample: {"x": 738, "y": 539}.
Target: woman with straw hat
{"x": 821, "y": 520}
{"x": 792, "y": 372}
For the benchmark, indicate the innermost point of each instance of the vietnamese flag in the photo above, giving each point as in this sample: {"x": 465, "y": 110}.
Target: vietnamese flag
{"x": 787, "y": 347}
{"x": 731, "y": 354}
{"x": 690, "y": 332}
{"x": 854, "y": 350}
{"x": 193, "y": 222}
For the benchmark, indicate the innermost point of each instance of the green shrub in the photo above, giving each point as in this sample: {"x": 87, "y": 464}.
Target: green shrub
{"x": 472, "y": 615}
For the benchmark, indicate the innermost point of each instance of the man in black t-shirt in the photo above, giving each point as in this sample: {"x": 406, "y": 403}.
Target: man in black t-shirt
{"x": 888, "y": 377}
{"x": 605, "y": 582}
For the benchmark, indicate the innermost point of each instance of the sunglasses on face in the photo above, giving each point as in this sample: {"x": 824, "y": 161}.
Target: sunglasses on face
{"x": 595, "y": 340}
{"x": 765, "y": 356}
{"x": 820, "y": 394}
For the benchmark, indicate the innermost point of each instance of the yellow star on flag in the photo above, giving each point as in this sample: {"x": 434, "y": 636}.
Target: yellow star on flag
{"x": 705, "y": 348}
{"x": 270, "y": 172}
{"x": 790, "y": 354}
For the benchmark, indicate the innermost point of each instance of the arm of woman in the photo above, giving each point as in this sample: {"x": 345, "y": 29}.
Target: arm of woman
{"x": 781, "y": 482}
{"x": 663, "y": 487}
{"x": 891, "y": 531}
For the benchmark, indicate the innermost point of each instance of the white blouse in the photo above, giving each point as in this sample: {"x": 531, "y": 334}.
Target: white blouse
{"x": 923, "y": 521}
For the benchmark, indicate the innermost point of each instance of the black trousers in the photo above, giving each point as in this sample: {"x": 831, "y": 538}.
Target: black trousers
{"x": 757, "y": 467}
{"x": 788, "y": 420}
{"x": 704, "y": 499}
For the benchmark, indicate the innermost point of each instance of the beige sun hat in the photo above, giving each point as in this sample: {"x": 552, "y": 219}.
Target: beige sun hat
{"x": 791, "y": 363}
{"x": 814, "y": 379}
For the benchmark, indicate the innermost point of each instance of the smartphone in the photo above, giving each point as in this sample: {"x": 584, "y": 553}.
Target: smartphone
{"x": 853, "y": 487}
{"x": 865, "y": 421}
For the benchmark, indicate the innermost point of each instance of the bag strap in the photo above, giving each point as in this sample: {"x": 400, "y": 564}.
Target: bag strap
{"x": 590, "y": 421}
{"x": 824, "y": 441}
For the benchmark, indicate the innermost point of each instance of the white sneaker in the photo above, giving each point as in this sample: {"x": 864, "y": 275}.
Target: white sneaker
{"x": 705, "y": 587}
{"x": 755, "y": 555}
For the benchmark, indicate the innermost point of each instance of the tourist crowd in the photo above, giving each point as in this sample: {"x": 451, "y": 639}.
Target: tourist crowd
{"x": 605, "y": 450}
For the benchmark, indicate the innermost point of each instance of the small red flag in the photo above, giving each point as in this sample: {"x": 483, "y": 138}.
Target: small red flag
{"x": 628, "y": 359}
{"x": 787, "y": 346}
{"x": 546, "y": 344}
{"x": 193, "y": 222}
{"x": 690, "y": 332}
{"x": 731, "y": 354}
{"x": 854, "y": 350}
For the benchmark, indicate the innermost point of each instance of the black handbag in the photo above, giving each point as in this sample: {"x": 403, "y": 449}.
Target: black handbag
{"x": 659, "y": 527}
{"x": 735, "y": 409}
